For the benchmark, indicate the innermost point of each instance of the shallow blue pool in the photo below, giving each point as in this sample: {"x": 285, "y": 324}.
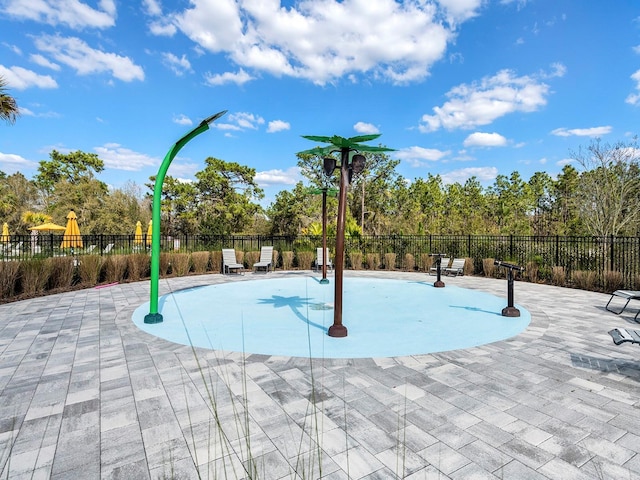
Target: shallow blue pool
{"x": 290, "y": 317}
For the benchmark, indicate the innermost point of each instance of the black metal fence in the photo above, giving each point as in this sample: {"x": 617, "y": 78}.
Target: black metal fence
{"x": 598, "y": 254}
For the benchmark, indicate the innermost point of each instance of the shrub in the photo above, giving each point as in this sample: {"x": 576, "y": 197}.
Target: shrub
{"x": 287, "y": 260}
{"x": 425, "y": 262}
{"x": 180, "y": 264}
{"x": 252, "y": 258}
{"x": 275, "y": 258}
{"x": 389, "y": 261}
{"x": 488, "y": 267}
{"x": 115, "y": 267}
{"x": 34, "y": 274}
{"x": 138, "y": 266}
{"x": 216, "y": 261}
{"x": 305, "y": 259}
{"x": 558, "y": 277}
{"x": 373, "y": 261}
{"x": 356, "y": 260}
{"x": 584, "y": 279}
{"x": 90, "y": 268}
{"x": 409, "y": 262}
{"x": 62, "y": 272}
{"x": 9, "y": 274}
{"x": 240, "y": 257}
{"x": 612, "y": 280}
{"x": 200, "y": 261}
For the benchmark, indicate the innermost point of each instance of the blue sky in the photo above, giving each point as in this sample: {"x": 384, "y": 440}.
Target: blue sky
{"x": 457, "y": 87}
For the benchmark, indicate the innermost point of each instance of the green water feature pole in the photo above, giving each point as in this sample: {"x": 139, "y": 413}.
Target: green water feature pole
{"x": 154, "y": 316}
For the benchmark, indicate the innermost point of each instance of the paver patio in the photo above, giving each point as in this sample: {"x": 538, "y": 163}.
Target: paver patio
{"x": 85, "y": 394}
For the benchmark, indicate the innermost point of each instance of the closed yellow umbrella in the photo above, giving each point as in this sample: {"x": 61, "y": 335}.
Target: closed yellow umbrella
{"x": 71, "y": 237}
{"x": 149, "y": 233}
{"x": 137, "y": 238}
{"x": 5, "y": 238}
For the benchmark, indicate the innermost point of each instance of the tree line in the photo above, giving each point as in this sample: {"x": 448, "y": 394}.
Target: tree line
{"x": 600, "y": 197}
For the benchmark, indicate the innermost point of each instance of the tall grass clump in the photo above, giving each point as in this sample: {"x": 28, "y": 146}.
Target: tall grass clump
{"x": 165, "y": 263}
{"x": 275, "y": 258}
{"x": 468, "y": 266}
{"x": 115, "y": 267}
{"x": 180, "y": 264}
{"x": 558, "y": 277}
{"x": 426, "y": 261}
{"x": 373, "y": 261}
{"x": 287, "y": 260}
{"x": 200, "y": 261}
{"x": 240, "y": 257}
{"x": 34, "y": 274}
{"x": 89, "y": 269}
{"x": 252, "y": 258}
{"x": 612, "y": 280}
{"x": 409, "y": 262}
{"x": 389, "y": 261}
{"x": 216, "y": 261}
{"x": 584, "y": 279}
{"x": 305, "y": 260}
{"x": 62, "y": 272}
{"x": 531, "y": 271}
{"x": 488, "y": 267}
{"x": 9, "y": 274}
{"x": 138, "y": 266}
{"x": 356, "y": 260}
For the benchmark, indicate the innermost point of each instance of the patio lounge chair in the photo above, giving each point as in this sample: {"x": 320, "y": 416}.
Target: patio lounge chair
{"x": 456, "y": 268}
{"x": 108, "y": 248}
{"x": 89, "y": 249}
{"x": 266, "y": 259}
{"x": 626, "y": 294}
{"x": 622, "y": 335}
{"x": 229, "y": 261}
{"x": 319, "y": 259}
{"x": 444, "y": 264}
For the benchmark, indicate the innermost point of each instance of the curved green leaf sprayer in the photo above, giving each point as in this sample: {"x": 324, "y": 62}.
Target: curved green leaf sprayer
{"x": 154, "y": 316}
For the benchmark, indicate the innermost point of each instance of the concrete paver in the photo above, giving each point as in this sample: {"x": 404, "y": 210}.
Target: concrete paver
{"x": 85, "y": 394}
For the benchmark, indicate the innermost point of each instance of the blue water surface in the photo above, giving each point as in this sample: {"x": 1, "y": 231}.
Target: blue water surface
{"x": 291, "y": 316}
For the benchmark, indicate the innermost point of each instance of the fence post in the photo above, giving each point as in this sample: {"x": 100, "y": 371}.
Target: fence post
{"x": 511, "y": 247}
{"x": 468, "y": 246}
{"x": 557, "y": 262}
{"x": 611, "y": 254}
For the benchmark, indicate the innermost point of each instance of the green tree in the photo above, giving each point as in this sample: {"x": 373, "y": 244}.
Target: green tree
{"x": 564, "y": 203}
{"x": 227, "y": 194}
{"x": 510, "y": 203}
{"x": 71, "y": 167}
{"x": 9, "y": 110}
{"x": 541, "y": 185}
{"x": 291, "y": 211}
{"x": 426, "y": 204}
{"x": 17, "y": 195}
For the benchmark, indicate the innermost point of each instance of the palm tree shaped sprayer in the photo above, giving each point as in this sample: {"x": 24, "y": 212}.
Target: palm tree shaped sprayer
{"x": 349, "y": 165}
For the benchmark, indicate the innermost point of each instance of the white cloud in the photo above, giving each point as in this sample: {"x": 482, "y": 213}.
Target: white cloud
{"x": 119, "y": 158}
{"x": 634, "y": 98}
{"x": 73, "y": 13}
{"x": 240, "y": 121}
{"x": 636, "y": 49}
{"x": 582, "y": 132}
{"x": 11, "y": 163}
{"x": 481, "y": 139}
{"x": 278, "y": 126}
{"x": 152, "y": 7}
{"x": 481, "y": 103}
{"x": 76, "y": 54}
{"x": 278, "y": 177}
{"x": 366, "y": 128}
{"x": 239, "y": 78}
{"x": 565, "y": 161}
{"x": 483, "y": 174}
{"x": 182, "y": 120}
{"x": 162, "y": 28}
{"x": 43, "y": 62}
{"x": 418, "y": 156}
{"x": 21, "y": 78}
{"x": 326, "y": 40}
{"x": 178, "y": 65}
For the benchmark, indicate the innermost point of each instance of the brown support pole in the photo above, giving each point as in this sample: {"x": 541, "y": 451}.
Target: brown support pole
{"x": 337, "y": 329}
{"x": 324, "y": 236}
